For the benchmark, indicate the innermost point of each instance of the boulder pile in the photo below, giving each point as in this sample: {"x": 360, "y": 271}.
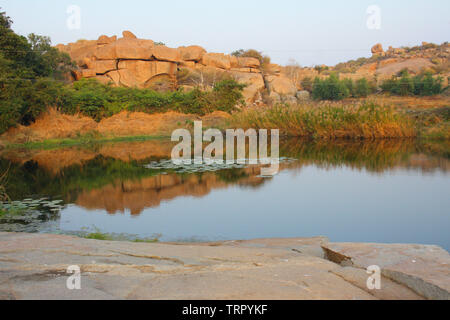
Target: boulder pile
{"x": 133, "y": 62}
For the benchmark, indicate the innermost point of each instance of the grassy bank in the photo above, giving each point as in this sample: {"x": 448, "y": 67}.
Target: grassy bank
{"x": 82, "y": 140}
{"x": 330, "y": 121}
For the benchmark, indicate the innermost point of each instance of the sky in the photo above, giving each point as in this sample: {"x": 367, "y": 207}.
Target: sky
{"x": 309, "y": 32}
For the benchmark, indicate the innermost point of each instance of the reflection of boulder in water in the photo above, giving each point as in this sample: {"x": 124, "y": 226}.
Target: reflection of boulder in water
{"x": 150, "y": 192}
{"x": 113, "y": 175}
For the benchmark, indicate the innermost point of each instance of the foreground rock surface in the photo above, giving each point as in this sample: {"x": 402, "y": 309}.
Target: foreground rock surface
{"x": 33, "y": 266}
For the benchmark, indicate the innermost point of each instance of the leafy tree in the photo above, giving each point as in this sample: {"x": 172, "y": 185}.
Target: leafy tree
{"x": 28, "y": 70}
{"x": 362, "y": 88}
{"x": 330, "y": 88}
{"x": 421, "y": 85}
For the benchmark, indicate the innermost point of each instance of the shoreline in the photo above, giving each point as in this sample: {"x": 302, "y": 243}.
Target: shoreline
{"x": 88, "y": 140}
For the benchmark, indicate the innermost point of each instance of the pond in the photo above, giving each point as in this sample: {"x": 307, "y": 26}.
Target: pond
{"x": 390, "y": 191}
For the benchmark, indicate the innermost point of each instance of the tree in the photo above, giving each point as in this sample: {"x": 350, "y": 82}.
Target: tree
{"x": 362, "y": 88}
{"x": 50, "y": 62}
{"x": 292, "y": 71}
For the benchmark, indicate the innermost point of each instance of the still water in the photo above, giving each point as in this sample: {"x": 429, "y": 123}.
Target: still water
{"x": 386, "y": 191}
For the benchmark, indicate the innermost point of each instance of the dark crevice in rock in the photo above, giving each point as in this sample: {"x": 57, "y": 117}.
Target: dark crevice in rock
{"x": 337, "y": 257}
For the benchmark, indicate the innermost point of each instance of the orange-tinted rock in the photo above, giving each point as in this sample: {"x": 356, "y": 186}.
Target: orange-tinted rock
{"x": 254, "y": 82}
{"x": 134, "y": 49}
{"x": 188, "y": 64}
{"x": 88, "y": 73}
{"x": 135, "y": 73}
{"x": 192, "y": 53}
{"x": 80, "y": 50}
{"x": 273, "y": 68}
{"x": 103, "y": 66}
{"x": 103, "y": 79}
{"x": 106, "y": 52}
{"x": 126, "y": 49}
{"x": 218, "y": 60}
{"x": 164, "y": 53}
{"x": 248, "y": 63}
{"x": 114, "y": 76}
{"x": 377, "y": 49}
{"x": 281, "y": 85}
{"x": 106, "y": 40}
{"x": 128, "y": 35}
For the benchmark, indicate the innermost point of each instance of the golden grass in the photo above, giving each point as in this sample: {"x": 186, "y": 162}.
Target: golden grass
{"x": 3, "y": 195}
{"x": 329, "y": 121}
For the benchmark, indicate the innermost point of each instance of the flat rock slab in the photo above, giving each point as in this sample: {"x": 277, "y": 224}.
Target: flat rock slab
{"x": 423, "y": 268}
{"x": 34, "y": 266}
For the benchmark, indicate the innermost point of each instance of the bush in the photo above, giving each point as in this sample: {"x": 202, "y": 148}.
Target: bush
{"x": 330, "y": 88}
{"x": 29, "y": 70}
{"x": 420, "y": 85}
{"x": 99, "y": 101}
{"x": 362, "y": 88}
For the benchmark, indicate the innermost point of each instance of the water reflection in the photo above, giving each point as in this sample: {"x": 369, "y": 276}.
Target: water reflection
{"x": 114, "y": 177}
{"x": 384, "y": 191}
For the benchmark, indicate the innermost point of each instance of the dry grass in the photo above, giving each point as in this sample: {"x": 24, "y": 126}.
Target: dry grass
{"x": 3, "y": 195}
{"x": 329, "y": 121}
{"x": 412, "y": 102}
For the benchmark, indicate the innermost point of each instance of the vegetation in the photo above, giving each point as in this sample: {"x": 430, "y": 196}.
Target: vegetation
{"x": 3, "y": 195}
{"x": 31, "y": 80}
{"x": 361, "y": 121}
{"x": 87, "y": 139}
{"x": 420, "y": 85}
{"x": 252, "y": 53}
{"x": 433, "y": 123}
{"x": 27, "y": 65}
{"x": 99, "y": 101}
{"x": 332, "y": 88}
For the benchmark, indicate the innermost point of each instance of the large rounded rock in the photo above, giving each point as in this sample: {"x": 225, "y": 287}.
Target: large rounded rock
{"x": 104, "y": 66}
{"x": 218, "y": 60}
{"x": 164, "y": 53}
{"x": 303, "y": 95}
{"x": 248, "y": 63}
{"x": 254, "y": 82}
{"x": 126, "y": 49}
{"x": 281, "y": 85}
{"x": 79, "y": 50}
{"x": 377, "y": 49}
{"x": 192, "y": 53}
{"x": 136, "y": 73}
{"x": 102, "y": 40}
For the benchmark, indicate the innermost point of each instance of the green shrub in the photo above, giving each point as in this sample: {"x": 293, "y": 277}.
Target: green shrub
{"x": 420, "y": 85}
{"x": 362, "y": 88}
{"x": 330, "y": 88}
{"x": 99, "y": 101}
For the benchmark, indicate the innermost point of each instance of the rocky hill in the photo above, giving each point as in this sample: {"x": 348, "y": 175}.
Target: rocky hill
{"x": 132, "y": 62}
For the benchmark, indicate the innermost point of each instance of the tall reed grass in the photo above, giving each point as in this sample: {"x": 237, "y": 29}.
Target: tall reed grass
{"x": 3, "y": 195}
{"x": 329, "y": 121}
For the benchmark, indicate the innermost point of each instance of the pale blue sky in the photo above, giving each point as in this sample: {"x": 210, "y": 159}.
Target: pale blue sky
{"x": 311, "y": 32}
